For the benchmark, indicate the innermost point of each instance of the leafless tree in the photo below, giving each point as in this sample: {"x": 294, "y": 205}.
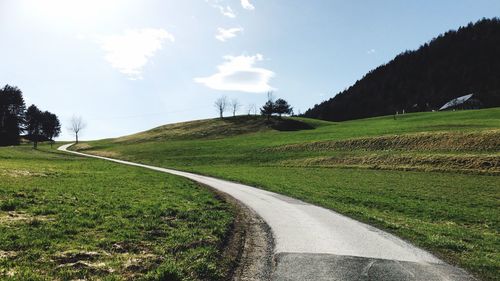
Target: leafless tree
{"x": 252, "y": 109}
{"x": 77, "y": 124}
{"x": 221, "y": 104}
{"x": 235, "y": 105}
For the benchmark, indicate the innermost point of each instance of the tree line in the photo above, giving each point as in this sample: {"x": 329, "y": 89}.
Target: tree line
{"x": 16, "y": 119}
{"x": 457, "y": 63}
{"x": 271, "y": 107}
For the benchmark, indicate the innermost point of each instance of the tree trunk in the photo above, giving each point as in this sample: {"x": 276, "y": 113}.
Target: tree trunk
{"x": 76, "y": 138}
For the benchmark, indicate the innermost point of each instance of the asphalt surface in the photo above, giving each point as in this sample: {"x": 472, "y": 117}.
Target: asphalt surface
{"x": 313, "y": 243}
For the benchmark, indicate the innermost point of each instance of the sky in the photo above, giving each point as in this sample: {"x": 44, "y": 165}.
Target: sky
{"x": 126, "y": 66}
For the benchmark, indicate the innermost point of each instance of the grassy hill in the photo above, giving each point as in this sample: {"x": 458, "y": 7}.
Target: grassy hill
{"x": 64, "y": 217}
{"x": 431, "y": 178}
{"x": 213, "y": 129}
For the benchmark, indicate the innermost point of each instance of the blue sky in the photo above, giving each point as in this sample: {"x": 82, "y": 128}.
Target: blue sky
{"x": 130, "y": 65}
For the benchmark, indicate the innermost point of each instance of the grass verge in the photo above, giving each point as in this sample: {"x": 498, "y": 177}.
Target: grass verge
{"x": 64, "y": 217}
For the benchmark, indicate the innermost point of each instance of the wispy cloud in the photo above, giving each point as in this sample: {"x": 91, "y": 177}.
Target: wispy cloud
{"x": 223, "y": 34}
{"x": 130, "y": 51}
{"x": 238, "y": 73}
{"x": 225, "y": 10}
{"x": 370, "y": 52}
{"x": 247, "y": 5}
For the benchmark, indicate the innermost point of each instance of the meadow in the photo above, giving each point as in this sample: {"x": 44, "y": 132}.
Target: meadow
{"x": 64, "y": 217}
{"x": 430, "y": 178}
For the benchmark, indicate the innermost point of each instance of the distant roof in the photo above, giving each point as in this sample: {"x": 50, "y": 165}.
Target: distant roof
{"x": 457, "y": 101}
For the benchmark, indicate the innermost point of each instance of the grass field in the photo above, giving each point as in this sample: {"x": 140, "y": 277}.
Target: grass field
{"x": 431, "y": 178}
{"x": 64, "y": 217}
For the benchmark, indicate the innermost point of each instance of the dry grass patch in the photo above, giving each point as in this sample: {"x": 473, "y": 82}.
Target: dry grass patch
{"x": 7, "y": 255}
{"x": 488, "y": 140}
{"x": 109, "y": 154}
{"x": 81, "y": 146}
{"x": 130, "y": 265}
{"x": 448, "y": 163}
{"x": 12, "y": 217}
{"x": 90, "y": 149}
{"x": 82, "y": 260}
{"x": 16, "y": 173}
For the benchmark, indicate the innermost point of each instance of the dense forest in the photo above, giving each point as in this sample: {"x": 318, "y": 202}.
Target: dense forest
{"x": 15, "y": 119}
{"x": 457, "y": 63}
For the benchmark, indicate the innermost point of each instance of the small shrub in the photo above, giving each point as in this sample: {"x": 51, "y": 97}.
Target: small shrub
{"x": 9, "y": 205}
{"x": 165, "y": 272}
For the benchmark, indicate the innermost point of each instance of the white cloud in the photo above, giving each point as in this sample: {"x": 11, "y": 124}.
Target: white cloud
{"x": 223, "y": 34}
{"x": 224, "y": 10}
{"x": 247, "y": 5}
{"x": 370, "y": 52}
{"x": 239, "y": 74}
{"x": 130, "y": 51}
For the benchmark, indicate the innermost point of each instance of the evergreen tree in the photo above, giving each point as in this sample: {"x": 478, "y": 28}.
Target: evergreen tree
{"x": 51, "y": 127}
{"x": 33, "y": 120}
{"x": 12, "y": 109}
{"x": 281, "y": 106}
{"x": 268, "y": 109}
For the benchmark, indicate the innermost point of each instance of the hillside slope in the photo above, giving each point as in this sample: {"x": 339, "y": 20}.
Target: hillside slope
{"x": 429, "y": 177}
{"x": 214, "y": 128}
{"x": 452, "y": 65}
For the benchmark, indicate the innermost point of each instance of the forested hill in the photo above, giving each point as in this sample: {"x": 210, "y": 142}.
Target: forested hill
{"x": 454, "y": 64}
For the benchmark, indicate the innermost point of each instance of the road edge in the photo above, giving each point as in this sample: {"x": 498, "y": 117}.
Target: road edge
{"x": 250, "y": 240}
{"x": 249, "y": 247}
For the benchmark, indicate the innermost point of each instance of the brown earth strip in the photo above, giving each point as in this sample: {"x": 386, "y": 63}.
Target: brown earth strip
{"x": 487, "y": 140}
{"x": 249, "y": 247}
{"x": 478, "y": 164}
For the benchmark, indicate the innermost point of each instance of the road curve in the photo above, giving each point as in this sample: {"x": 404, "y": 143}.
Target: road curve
{"x": 314, "y": 243}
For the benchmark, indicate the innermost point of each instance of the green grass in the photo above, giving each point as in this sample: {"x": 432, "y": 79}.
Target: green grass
{"x": 64, "y": 217}
{"x": 453, "y": 215}
{"x": 438, "y": 192}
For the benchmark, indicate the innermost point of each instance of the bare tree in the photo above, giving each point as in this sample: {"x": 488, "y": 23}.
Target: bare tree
{"x": 77, "y": 124}
{"x": 252, "y": 109}
{"x": 221, "y": 104}
{"x": 235, "y": 105}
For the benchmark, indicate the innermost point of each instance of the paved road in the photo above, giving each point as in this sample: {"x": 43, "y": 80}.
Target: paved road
{"x": 313, "y": 243}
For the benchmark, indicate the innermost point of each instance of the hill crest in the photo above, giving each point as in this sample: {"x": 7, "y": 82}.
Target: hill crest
{"x": 454, "y": 64}
{"x": 216, "y": 128}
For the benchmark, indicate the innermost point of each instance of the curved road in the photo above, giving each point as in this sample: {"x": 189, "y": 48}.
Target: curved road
{"x": 313, "y": 243}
